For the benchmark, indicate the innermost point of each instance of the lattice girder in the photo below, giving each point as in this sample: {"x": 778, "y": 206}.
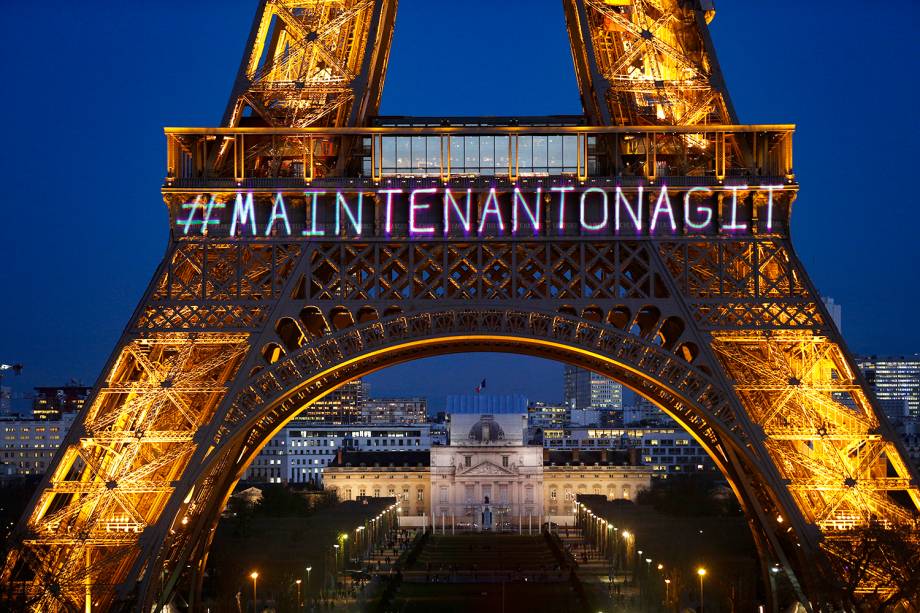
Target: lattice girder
{"x": 237, "y": 335}
{"x": 646, "y": 62}
{"x": 821, "y": 431}
{"x": 118, "y": 468}
{"x": 314, "y": 62}
{"x": 266, "y": 400}
{"x": 340, "y": 300}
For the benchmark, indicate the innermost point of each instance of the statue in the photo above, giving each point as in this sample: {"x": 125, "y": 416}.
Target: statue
{"x": 486, "y": 515}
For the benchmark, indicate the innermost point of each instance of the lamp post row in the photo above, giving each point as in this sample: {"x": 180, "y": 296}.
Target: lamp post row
{"x": 604, "y": 535}
{"x": 375, "y": 527}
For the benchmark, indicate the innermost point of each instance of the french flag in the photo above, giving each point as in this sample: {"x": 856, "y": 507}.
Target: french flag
{"x": 481, "y": 386}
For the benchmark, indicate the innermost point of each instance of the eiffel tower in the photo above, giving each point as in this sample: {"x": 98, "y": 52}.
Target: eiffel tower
{"x": 313, "y": 241}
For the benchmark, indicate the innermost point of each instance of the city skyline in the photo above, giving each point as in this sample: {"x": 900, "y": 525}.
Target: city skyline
{"x": 69, "y": 334}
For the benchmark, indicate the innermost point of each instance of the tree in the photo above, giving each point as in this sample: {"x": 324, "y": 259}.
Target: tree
{"x": 690, "y": 495}
{"x": 279, "y": 501}
{"x": 883, "y": 560}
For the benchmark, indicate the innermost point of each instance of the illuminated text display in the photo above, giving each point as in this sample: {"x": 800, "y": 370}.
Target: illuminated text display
{"x": 434, "y": 212}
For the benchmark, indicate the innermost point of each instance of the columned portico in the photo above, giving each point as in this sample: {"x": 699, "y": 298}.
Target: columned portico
{"x": 487, "y": 460}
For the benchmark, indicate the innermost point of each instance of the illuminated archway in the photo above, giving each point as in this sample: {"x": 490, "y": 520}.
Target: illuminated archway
{"x": 688, "y": 394}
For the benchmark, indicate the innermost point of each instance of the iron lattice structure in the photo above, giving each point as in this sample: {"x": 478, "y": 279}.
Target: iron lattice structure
{"x": 238, "y": 333}
{"x": 647, "y": 62}
{"x": 313, "y": 62}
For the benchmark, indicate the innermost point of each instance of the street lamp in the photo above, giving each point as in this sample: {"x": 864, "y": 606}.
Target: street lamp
{"x": 309, "y": 568}
{"x": 255, "y": 579}
{"x": 359, "y": 543}
{"x": 299, "y": 604}
{"x": 335, "y": 569}
{"x": 702, "y": 573}
{"x": 667, "y": 591}
{"x": 610, "y": 542}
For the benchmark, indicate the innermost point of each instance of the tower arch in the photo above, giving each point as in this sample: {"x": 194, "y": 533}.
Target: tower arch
{"x": 692, "y": 397}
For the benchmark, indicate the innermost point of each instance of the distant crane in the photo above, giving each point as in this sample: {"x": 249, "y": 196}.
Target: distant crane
{"x": 16, "y": 368}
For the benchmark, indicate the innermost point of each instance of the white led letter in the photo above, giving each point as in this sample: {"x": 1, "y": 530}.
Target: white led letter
{"x": 245, "y": 212}
{"x": 451, "y": 204}
{"x": 562, "y": 192}
{"x": 634, "y": 214}
{"x": 388, "y": 221}
{"x": 278, "y": 212}
{"x": 770, "y": 189}
{"x": 734, "y": 225}
{"x": 700, "y": 209}
{"x": 314, "y": 205}
{"x": 534, "y": 213}
{"x": 491, "y": 208}
{"x": 416, "y": 206}
{"x": 662, "y": 205}
{"x": 581, "y": 209}
{"x": 342, "y": 205}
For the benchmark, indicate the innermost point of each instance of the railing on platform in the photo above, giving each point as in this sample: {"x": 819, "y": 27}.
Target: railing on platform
{"x": 292, "y": 157}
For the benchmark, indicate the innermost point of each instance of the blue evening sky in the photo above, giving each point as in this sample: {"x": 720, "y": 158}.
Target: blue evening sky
{"x": 89, "y": 87}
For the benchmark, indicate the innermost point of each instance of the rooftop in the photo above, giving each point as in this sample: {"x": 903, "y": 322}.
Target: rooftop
{"x": 382, "y": 459}
{"x": 487, "y": 403}
{"x": 606, "y": 457}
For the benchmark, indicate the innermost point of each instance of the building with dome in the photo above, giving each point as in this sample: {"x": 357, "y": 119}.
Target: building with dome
{"x": 488, "y": 476}
{"x": 487, "y": 468}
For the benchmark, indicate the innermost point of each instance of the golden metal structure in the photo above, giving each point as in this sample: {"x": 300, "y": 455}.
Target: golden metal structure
{"x": 647, "y": 62}
{"x": 120, "y": 464}
{"x": 236, "y": 335}
{"x": 313, "y": 63}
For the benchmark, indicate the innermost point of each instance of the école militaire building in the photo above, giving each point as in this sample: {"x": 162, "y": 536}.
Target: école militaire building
{"x": 487, "y": 465}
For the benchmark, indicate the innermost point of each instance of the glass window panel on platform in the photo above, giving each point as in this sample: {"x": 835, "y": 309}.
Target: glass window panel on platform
{"x": 456, "y": 154}
{"x": 525, "y": 154}
{"x": 433, "y": 155}
{"x": 388, "y": 155}
{"x": 487, "y": 155}
{"x": 471, "y": 151}
{"x": 483, "y": 155}
{"x": 419, "y": 151}
{"x": 570, "y": 153}
{"x": 501, "y": 153}
{"x": 539, "y": 155}
{"x": 555, "y": 147}
{"x": 592, "y": 155}
{"x": 403, "y": 154}
{"x": 366, "y": 169}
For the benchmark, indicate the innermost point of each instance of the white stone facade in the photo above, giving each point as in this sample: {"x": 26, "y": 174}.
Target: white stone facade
{"x": 464, "y": 477}
{"x": 487, "y": 466}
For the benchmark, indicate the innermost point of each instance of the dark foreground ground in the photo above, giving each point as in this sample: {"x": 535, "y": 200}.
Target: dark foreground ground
{"x": 488, "y": 573}
{"x": 487, "y": 598}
